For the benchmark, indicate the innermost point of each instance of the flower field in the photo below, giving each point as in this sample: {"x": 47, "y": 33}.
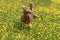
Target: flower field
{"x": 45, "y": 27}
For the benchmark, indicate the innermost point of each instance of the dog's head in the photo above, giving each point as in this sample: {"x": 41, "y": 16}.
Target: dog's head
{"x": 26, "y": 10}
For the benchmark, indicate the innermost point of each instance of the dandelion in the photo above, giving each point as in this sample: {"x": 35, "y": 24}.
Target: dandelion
{"x": 56, "y": 1}
{"x": 27, "y": 38}
{"x": 33, "y": 39}
{"x": 59, "y": 38}
{"x": 18, "y": 36}
{"x": 38, "y": 36}
{"x": 45, "y": 37}
{"x": 12, "y": 35}
{"x": 6, "y": 34}
{"x": 50, "y": 35}
{"x": 23, "y": 36}
{"x": 39, "y": 33}
{"x": 3, "y": 36}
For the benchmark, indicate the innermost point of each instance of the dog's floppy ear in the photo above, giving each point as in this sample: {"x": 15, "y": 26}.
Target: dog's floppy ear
{"x": 34, "y": 16}
{"x": 31, "y": 4}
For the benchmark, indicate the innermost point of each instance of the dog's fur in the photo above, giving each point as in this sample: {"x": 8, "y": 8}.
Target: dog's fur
{"x": 27, "y": 15}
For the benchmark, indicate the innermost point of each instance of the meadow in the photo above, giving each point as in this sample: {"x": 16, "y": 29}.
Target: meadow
{"x": 46, "y": 27}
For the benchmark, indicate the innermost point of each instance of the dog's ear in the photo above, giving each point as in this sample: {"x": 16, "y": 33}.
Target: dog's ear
{"x": 34, "y": 16}
{"x": 24, "y": 8}
{"x": 31, "y": 6}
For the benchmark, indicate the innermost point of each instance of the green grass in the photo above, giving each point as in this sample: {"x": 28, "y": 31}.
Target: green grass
{"x": 46, "y": 27}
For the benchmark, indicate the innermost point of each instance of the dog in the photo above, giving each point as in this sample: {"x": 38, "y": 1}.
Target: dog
{"x": 27, "y": 16}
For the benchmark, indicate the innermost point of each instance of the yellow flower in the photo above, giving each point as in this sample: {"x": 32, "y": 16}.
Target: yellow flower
{"x": 38, "y": 32}
{"x": 18, "y": 36}
{"x": 57, "y": 1}
{"x": 59, "y": 16}
{"x": 30, "y": 36}
{"x": 33, "y": 39}
{"x": 6, "y": 34}
{"x": 26, "y": 37}
{"x": 50, "y": 34}
{"x": 45, "y": 28}
{"x": 3, "y": 36}
{"x": 23, "y": 36}
{"x": 45, "y": 37}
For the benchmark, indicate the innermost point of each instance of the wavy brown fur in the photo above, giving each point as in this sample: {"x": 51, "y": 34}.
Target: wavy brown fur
{"x": 27, "y": 15}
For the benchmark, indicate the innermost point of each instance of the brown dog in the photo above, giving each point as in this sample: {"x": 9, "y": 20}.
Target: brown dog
{"x": 27, "y": 16}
